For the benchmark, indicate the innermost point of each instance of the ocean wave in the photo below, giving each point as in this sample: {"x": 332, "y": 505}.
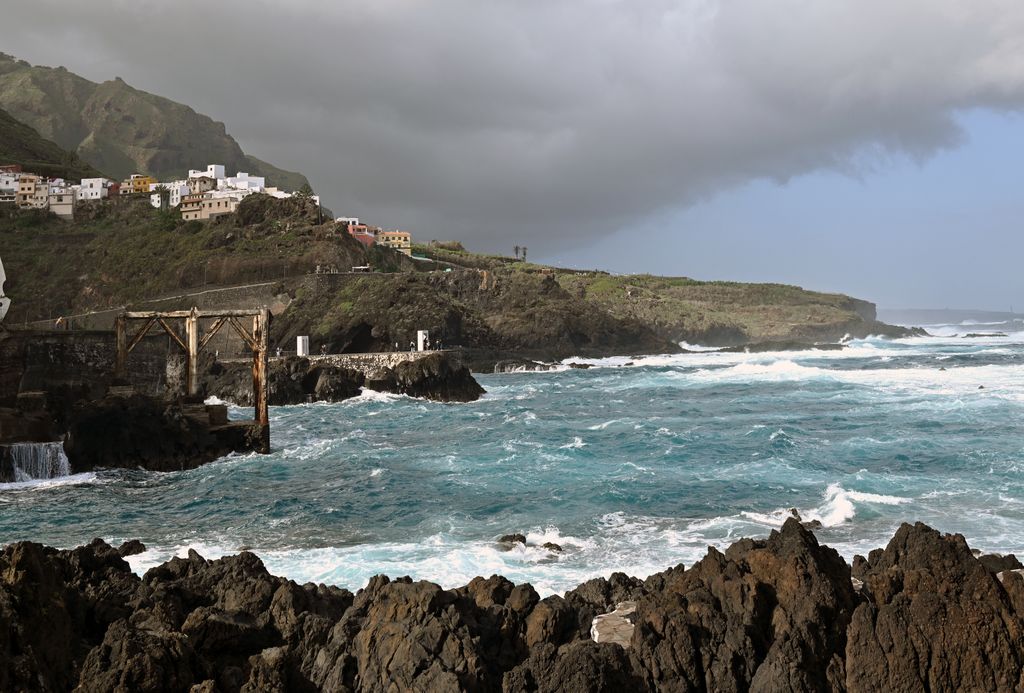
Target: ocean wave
{"x": 57, "y": 482}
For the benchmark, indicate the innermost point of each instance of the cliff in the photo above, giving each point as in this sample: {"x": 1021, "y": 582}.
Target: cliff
{"x": 783, "y": 613}
{"x": 122, "y": 130}
{"x": 125, "y": 252}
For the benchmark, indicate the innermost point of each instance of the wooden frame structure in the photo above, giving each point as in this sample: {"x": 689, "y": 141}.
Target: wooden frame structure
{"x": 193, "y": 343}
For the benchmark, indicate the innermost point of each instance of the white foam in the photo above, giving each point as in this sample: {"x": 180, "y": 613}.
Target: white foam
{"x": 576, "y": 443}
{"x": 42, "y": 484}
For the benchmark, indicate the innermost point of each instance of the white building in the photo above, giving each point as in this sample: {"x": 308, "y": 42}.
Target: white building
{"x": 9, "y": 186}
{"x": 94, "y": 189}
{"x": 176, "y": 189}
{"x": 243, "y": 181}
{"x": 215, "y": 171}
{"x": 277, "y": 192}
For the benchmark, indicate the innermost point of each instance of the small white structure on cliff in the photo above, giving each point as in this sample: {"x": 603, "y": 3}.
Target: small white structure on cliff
{"x": 5, "y": 302}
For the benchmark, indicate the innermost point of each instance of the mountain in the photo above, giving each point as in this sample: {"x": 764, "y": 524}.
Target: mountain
{"x": 21, "y": 144}
{"x": 122, "y": 130}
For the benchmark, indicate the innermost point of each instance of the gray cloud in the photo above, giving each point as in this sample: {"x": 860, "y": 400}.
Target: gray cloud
{"x": 548, "y": 121}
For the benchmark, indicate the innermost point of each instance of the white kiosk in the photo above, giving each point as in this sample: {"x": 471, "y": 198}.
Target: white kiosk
{"x": 422, "y": 340}
{"x": 302, "y": 345}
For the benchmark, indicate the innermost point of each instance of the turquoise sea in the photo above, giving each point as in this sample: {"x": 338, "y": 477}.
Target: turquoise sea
{"x": 635, "y": 464}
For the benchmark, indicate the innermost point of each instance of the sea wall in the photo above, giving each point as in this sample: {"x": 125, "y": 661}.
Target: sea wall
{"x": 373, "y": 363}
{"x": 79, "y": 360}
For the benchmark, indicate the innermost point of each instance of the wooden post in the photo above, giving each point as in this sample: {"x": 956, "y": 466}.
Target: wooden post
{"x": 121, "y": 360}
{"x": 192, "y": 333}
{"x": 260, "y": 386}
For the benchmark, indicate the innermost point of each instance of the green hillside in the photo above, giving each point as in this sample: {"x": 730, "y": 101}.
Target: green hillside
{"x": 21, "y": 144}
{"x": 122, "y": 130}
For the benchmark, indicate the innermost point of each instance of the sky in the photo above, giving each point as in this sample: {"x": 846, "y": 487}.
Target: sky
{"x": 862, "y": 146}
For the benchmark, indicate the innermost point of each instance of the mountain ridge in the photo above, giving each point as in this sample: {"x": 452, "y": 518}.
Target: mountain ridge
{"x": 20, "y": 144}
{"x": 122, "y": 130}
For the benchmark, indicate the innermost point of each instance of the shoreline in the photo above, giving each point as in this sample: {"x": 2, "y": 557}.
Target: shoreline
{"x": 784, "y": 612}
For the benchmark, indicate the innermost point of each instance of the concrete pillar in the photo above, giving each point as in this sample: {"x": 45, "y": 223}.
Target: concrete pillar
{"x": 302, "y": 345}
{"x": 421, "y": 339}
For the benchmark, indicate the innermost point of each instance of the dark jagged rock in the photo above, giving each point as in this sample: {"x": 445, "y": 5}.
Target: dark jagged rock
{"x": 132, "y": 547}
{"x": 433, "y": 377}
{"x": 510, "y": 540}
{"x": 581, "y": 666}
{"x": 935, "y": 619}
{"x": 292, "y": 380}
{"x": 996, "y": 563}
{"x": 518, "y": 365}
{"x": 552, "y": 547}
{"x": 600, "y": 596}
{"x": 765, "y": 615}
{"x": 141, "y": 432}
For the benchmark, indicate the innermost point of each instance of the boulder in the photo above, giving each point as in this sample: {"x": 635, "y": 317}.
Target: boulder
{"x": 580, "y": 666}
{"x": 435, "y": 377}
{"x": 766, "y": 615}
{"x": 935, "y": 618}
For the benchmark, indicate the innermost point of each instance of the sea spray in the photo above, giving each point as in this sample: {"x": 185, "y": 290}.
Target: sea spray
{"x": 34, "y": 461}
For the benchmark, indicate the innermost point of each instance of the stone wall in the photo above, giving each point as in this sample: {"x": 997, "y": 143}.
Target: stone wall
{"x": 373, "y": 363}
{"x": 32, "y": 360}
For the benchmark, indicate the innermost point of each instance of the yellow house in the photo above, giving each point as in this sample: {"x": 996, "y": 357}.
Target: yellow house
{"x": 397, "y": 240}
{"x": 138, "y": 183}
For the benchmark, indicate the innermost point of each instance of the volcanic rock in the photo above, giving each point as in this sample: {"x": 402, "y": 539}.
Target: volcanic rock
{"x": 935, "y": 619}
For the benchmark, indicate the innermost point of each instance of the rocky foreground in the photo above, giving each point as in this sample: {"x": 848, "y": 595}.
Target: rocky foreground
{"x": 781, "y": 614}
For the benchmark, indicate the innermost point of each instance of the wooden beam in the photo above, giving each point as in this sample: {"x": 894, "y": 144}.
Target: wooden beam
{"x": 243, "y": 333}
{"x": 140, "y": 334}
{"x": 173, "y": 333}
{"x": 121, "y": 361}
{"x": 192, "y": 334}
{"x": 212, "y": 332}
{"x": 147, "y": 314}
{"x": 260, "y": 389}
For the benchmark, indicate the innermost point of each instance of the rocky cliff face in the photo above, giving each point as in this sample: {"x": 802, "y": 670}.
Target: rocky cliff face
{"x": 121, "y": 130}
{"x": 767, "y": 615}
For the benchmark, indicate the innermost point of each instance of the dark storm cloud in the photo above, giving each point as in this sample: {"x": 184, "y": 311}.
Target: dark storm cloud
{"x": 491, "y": 120}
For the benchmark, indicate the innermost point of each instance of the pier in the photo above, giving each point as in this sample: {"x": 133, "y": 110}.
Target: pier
{"x": 192, "y": 340}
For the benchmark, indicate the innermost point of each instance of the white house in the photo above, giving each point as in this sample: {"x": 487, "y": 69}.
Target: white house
{"x": 176, "y": 190}
{"x": 93, "y": 189}
{"x": 215, "y": 171}
{"x": 243, "y": 181}
{"x": 9, "y": 186}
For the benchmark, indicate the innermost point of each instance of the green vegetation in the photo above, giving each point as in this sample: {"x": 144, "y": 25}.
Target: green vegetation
{"x": 20, "y": 144}
{"x": 122, "y": 130}
{"x": 125, "y": 250}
